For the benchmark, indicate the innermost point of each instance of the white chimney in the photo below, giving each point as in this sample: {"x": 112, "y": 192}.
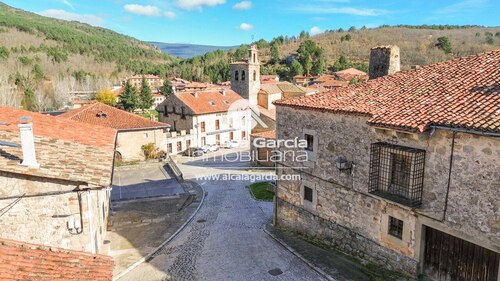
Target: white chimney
{"x": 173, "y": 90}
{"x": 28, "y": 145}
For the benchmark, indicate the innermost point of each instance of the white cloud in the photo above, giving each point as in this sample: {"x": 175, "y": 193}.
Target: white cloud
{"x": 63, "y": 15}
{"x": 315, "y": 30}
{"x": 67, "y": 3}
{"x": 344, "y": 10}
{"x": 246, "y": 26}
{"x": 243, "y": 5}
{"x": 198, "y": 4}
{"x": 147, "y": 10}
{"x": 169, "y": 14}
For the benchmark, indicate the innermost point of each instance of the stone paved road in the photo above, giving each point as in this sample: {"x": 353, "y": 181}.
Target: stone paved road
{"x": 225, "y": 241}
{"x": 145, "y": 181}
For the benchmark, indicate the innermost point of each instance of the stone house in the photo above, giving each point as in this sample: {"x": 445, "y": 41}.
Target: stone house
{"x": 403, "y": 170}
{"x": 55, "y": 179}
{"x": 205, "y": 117}
{"x": 134, "y": 131}
{"x": 154, "y": 81}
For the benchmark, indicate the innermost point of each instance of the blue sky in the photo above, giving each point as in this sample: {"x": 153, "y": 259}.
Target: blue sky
{"x": 232, "y": 22}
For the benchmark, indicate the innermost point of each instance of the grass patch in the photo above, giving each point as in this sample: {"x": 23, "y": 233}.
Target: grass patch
{"x": 260, "y": 192}
{"x": 149, "y": 113}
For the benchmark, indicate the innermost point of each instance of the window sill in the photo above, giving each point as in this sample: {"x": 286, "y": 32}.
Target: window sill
{"x": 396, "y": 198}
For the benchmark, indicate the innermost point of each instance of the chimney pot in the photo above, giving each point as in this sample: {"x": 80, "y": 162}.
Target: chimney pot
{"x": 27, "y": 143}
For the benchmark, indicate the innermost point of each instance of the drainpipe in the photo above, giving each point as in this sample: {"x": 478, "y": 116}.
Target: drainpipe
{"x": 449, "y": 176}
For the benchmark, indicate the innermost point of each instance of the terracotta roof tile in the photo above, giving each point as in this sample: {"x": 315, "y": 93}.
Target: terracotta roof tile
{"x": 463, "y": 92}
{"x": 107, "y": 116}
{"x": 208, "y": 101}
{"x": 24, "y": 261}
{"x": 57, "y": 128}
{"x": 266, "y": 135}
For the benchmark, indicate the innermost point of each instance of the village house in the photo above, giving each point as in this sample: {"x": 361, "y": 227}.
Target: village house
{"x": 402, "y": 170}
{"x": 134, "y": 131}
{"x": 154, "y": 81}
{"x": 55, "y": 180}
{"x": 198, "y": 118}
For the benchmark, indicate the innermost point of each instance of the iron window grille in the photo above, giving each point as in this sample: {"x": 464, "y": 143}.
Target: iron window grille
{"x": 310, "y": 142}
{"x": 308, "y": 194}
{"x": 397, "y": 173}
{"x": 395, "y": 227}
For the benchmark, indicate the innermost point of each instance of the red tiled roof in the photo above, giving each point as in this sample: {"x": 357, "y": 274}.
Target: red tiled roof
{"x": 24, "y": 261}
{"x": 65, "y": 149}
{"x": 351, "y": 71}
{"x": 463, "y": 92}
{"x": 266, "y": 135}
{"x": 107, "y": 116}
{"x": 57, "y": 128}
{"x": 201, "y": 102}
{"x": 270, "y": 113}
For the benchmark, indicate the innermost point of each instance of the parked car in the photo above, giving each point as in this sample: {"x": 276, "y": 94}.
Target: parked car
{"x": 205, "y": 148}
{"x": 231, "y": 144}
{"x": 214, "y": 147}
{"x": 193, "y": 152}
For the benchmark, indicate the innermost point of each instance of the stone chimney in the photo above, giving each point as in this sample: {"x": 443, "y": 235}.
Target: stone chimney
{"x": 27, "y": 143}
{"x": 384, "y": 60}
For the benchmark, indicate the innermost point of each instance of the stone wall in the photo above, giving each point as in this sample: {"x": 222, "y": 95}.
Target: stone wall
{"x": 174, "y": 115}
{"x": 129, "y": 143}
{"x": 343, "y": 198}
{"x": 32, "y": 215}
{"x": 384, "y": 60}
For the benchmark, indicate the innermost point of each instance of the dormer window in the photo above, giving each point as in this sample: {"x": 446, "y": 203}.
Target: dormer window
{"x": 211, "y": 103}
{"x": 226, "y": 102}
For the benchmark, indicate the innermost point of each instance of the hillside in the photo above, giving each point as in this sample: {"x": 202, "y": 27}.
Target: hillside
{"x": 418, "y": 46}
{"x": 186, "y": 51}
{"x": 59, "y": 47}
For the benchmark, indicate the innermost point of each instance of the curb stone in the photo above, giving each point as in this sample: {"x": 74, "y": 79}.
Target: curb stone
{"x": 155, "y": 250}
{"x": 295, "y": 253}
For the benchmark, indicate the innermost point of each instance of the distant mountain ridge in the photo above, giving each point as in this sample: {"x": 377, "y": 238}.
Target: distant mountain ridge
{"x": 187, "y": 51}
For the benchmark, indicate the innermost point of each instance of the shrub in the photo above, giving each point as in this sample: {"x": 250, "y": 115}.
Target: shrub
{"x": 150, "y": 151}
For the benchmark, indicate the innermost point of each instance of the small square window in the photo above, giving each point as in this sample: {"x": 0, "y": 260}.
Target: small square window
{"x": 310, "y": 142}
{"x": 396, "y": 227}
{"x": 145, "y": 135}
{"x": 308, "y": 194}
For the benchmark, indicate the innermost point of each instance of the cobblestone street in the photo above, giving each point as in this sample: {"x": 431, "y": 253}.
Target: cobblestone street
{"x": 225, "y": 240}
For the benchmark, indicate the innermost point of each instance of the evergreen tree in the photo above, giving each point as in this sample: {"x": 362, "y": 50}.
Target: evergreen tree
{"x": 29, "y": 101}
{"x": 129, "y": 100}
{"x": 275, "y": 53}
{"x": 444, "y": 44}
{"x": 166, "y": 89}
{"x": 296, "y": 68}
{"x": 146, "y": 98}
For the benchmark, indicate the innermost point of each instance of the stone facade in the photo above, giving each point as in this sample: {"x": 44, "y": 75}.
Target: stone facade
{"x": 245, "y": 76}
{"x": 129, "y": 143}
{"x": 384, "y": 60}
{"x": 344, "y": 214}
{"x": 42, "y": 210}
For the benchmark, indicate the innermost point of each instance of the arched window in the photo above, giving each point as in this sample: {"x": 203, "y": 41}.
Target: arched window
{"x": 236, "y": 75}
{"x": 254, "y": 58}
{"x": 243, "y": 75}
{"x": 254, "y": 75}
